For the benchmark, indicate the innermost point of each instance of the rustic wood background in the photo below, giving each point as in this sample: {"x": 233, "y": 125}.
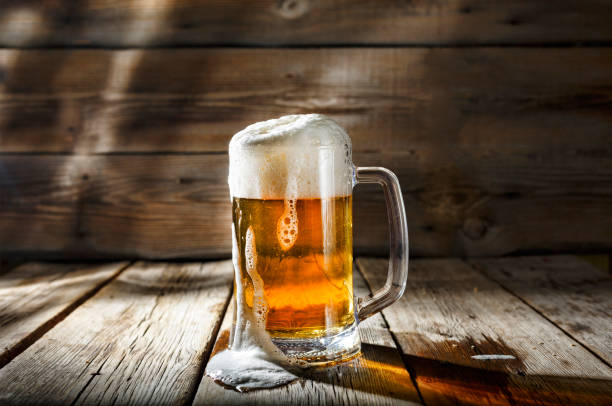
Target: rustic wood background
{"x": 115, "y": 117}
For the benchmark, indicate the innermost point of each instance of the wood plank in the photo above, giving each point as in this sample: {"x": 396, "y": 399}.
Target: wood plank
{"x": 451, "y": 312}
{"x": 141, "y": 340}
{"x": 36, "y": 296}
{"x": 120, "y": 206}
{"x": 497, "y": 103}
{"x": 192, "y": 22}
{"x": 573, "y": 294}
{"x": 378, "y": 377}
{"x": 482, "y": 181}
{"x": 177, "y": 206}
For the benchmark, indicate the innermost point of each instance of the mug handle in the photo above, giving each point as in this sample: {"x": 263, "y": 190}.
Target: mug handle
{"x": 398, "y": 242}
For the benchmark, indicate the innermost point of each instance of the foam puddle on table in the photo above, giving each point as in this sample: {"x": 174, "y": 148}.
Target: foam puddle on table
{"x": 252, "y": 361}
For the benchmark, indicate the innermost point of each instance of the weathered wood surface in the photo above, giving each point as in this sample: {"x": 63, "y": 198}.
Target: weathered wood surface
{"x": 378, "y": 377}
{"x": 450, "y": 312}
{"x": 120, "y": 206}
{"x": 141, "y": 340}
{"x": 147, "y": 335}
{"x": 573, "y": 294}
{"x": 164, "y": 206}
{"x": 472, "y": 149}
{"x": 192, "y": 22}
{"x": 449, "y": 106}
{"x": 35, "y": 296}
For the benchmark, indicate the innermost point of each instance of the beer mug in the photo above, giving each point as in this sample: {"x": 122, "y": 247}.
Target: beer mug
{"x": 291, "y": 182}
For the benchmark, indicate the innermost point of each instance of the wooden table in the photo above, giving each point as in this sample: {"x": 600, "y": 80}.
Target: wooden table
{"x": 141, "y": 333}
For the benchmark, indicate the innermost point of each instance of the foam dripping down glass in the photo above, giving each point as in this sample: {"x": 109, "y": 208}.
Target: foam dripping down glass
{"x": 291, "y": 181}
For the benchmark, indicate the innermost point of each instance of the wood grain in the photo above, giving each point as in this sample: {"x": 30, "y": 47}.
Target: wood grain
{"x": 36, "y": 296}
{"x": 177, "y": 206}
{"x": 122, "y": 206}
{"x": 450, "y": 312}
{"x": 441, "y": 103}
{"x": 571, "y": 293}
{"x": 377, "y": 377}
{"x": 140, "y": 340}
{"x": 191, "y": 22}
{"x": 489, "y": 157}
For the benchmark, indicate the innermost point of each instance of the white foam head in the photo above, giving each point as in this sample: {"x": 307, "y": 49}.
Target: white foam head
{"x": 296, "y": 156}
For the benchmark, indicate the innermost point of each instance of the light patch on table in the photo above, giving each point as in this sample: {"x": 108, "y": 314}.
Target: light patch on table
{"x": 492, "y": 356}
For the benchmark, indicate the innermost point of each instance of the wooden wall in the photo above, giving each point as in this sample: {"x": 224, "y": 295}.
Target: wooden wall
{"x": 115, "y": 117}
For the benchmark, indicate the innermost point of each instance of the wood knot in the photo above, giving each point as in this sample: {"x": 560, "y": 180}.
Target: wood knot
{"x": 475, "y": 228}
{"x": 514, "y": 21}
{"x": 292, "y": 8}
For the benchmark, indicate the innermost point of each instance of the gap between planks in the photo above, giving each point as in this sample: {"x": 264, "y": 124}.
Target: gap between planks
{"x": 357, "y": 269}
{"x": 450, "y": 312}
{"x": 377, "y": 377}
{"x": 551, "y": 321}
{"x": 141, "y": 339}
{"x": 209, "y": 348}
{"x": 493, "y": 269}
{"x": 39, "y": 323}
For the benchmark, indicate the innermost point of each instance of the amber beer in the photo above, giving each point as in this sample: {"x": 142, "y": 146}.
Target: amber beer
{"x": 302, "y": 251}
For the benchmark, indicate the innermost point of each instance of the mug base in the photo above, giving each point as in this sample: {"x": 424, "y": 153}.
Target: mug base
{"x": 323, "y": 351}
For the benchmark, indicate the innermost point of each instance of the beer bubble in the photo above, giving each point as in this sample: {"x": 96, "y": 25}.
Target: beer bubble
{"x": 249, "y": 250}
{"x": 287, "y": 226}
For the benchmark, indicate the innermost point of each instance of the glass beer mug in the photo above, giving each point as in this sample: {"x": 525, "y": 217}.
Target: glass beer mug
{"x": 291, "y": 182}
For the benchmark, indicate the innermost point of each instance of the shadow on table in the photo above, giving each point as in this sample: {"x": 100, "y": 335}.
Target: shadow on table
{"x": 379, "y": 370}
{"x": 448, "y": 383}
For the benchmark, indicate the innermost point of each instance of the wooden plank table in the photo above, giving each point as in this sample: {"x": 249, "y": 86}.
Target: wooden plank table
{"x": 142, "y": 333}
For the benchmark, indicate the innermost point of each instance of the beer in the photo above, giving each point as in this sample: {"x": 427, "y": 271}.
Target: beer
{"x": 301, "y": 253}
